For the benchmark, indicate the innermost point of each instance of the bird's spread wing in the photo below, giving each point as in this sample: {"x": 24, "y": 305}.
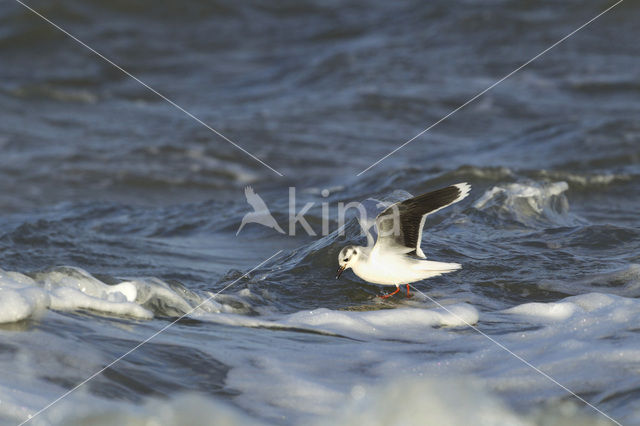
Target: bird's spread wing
{"x": 372, "y": 209}
{"x": 400, "y": 225}
{"x": 367, "y": 218}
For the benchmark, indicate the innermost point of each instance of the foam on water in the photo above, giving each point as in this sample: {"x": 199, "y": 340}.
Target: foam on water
{"x": 530, "y": 204}
{"x": 584, "y": 180}
{"x": 457, "y": 402}
{"x": 452, "y": 401}
{"x": 20, "y": 298}
{"x": 544, "y": 311}
{"x": 73, "y": 289}
{"x": 406, "y": 401}
{"x": 582, "y": 341}
{"x": 183, "y": 409}
{"x": 379, "y": 324}
{"x": 616, "y": 309}
{"x": 383, "y": 323}
{"x": 70, "y": 289}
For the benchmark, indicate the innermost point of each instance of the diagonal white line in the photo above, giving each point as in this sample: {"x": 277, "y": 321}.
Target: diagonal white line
{"x": 112, "y": 363}
{"x": 189, "y": 114}
{"x": 491, "y": 87}
{"x": 501, "y": 346}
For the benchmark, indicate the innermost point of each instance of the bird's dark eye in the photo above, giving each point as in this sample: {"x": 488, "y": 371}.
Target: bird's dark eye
{"x": 346, "y": 259}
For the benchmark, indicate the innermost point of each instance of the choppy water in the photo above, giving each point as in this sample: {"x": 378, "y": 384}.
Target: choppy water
{"x": 119, "y": 213}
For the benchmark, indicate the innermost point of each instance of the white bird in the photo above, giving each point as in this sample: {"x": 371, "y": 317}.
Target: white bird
{"x": 260, "y": 213}
{"x": 396, "y": 257}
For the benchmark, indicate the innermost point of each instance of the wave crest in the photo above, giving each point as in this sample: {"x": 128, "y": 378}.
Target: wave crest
{"x": 530, "y": 204}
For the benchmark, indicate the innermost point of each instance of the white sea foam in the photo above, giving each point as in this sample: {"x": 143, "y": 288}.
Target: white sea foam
{"x": 585, "y": 180}
{"x": 67, "y": 289}
{"x": 182, "y": 409}
{"x": 411, "y": 401}
{"x": 451, "y": 401}
{"x": 19, "y": 304}
{"x": 571, "y": 340}
{"x": 73, "y": 289}
{"x": 586, "y": 342}
{"x": 19, "y": 297}
{"x": 613, "y": 308}
{"x": 458, "y": 401}
{"x": 550, "y": 311}
{"x": 529, "y": 203}
{"x": 379, "y": 324}
{"x": 69, "y": 299}
{"x": 383, "y": 323}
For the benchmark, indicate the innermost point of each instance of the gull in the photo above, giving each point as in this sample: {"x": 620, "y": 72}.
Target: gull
{"x": 260, "y": 213}
{"x": 396, "y": 257}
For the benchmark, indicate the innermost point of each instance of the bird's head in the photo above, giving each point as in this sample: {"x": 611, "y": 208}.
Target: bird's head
{"x": 347, "y": 258}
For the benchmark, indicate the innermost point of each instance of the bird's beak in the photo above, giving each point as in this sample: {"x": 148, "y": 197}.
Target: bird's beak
{"x": 340, "y": 271}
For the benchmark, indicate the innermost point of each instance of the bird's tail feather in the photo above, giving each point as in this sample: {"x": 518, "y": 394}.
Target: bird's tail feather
{"x": 440, "y": 267}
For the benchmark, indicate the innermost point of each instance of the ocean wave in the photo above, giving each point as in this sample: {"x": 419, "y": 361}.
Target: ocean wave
{"x": 581, "y": 180}
{"x": 530, "y": 204}
{"x": 71, "y": 289}
{"x": 621, "y": 281}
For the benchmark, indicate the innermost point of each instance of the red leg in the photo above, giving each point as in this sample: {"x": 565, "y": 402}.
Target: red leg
{"x": 408, "y": 294}
{"x": 385, "y": 296}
